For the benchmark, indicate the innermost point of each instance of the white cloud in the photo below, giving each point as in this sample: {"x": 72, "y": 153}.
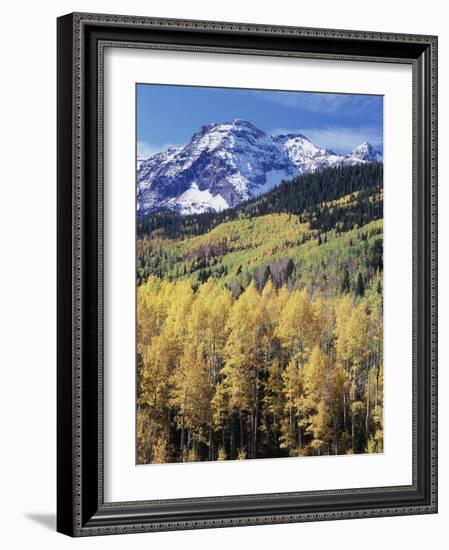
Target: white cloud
{"x": 320, "y": 102}
{"x": 146, "y": 150}
{"x": 340, "y": 140}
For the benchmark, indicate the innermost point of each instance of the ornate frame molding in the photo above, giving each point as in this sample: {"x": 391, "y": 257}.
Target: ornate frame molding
{"x": 81, "y": 42}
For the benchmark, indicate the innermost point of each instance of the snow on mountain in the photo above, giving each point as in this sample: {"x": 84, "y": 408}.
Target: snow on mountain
{"x": 194, "y": 201}
{"x": 225, "y": 164}
{"x": 366, "y": 152}
{"x": 305, "y": 155}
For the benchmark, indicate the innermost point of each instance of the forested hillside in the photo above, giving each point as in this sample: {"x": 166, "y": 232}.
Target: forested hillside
{"x": 260, "y": 327}
{"x": 303, "y": 195}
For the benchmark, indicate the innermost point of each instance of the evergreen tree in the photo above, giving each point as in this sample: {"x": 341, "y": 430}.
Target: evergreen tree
{"x": 360, "y": 288}
{"x": 289, "y": 269}
{"x": 346, "y": 282}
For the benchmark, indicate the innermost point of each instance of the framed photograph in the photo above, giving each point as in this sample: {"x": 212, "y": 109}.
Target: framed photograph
{"x": 247, "y": 278}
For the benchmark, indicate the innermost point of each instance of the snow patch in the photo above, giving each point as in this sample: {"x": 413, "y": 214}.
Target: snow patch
{"x": 195, "y": 201}
{"x": 240, "y": 184}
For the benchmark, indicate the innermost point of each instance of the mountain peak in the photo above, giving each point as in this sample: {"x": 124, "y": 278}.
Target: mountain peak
{"x": 290, "y": 135}
{"x": 365, "y": 146}
{"x": 217, "y": 134}
{"x": 366, "y": 152}
{"x": 227, "y": 125}
{"x": 240, "y": 122}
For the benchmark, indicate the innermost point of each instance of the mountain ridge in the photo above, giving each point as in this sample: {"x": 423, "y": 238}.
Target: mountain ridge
{"x": 225, "y": 164}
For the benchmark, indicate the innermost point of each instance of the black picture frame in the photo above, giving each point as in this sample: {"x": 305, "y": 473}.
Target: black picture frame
{"x": 81, "y": 510}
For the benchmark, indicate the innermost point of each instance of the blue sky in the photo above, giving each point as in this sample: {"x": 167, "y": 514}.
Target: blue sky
{"x": 170, "y": 115}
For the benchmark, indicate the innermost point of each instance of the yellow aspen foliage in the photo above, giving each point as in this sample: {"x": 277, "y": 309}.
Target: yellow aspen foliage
{"x": 241, "y": 349}
{"x": 269, "y": 372}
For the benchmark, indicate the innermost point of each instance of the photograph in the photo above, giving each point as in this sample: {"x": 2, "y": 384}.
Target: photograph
{"x": 259, "y": 274}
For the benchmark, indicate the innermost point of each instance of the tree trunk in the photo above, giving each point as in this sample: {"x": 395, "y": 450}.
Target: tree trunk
{"x": 275, "y": 435}
{"x": 211, "y": 450}
{"x": 232, "y": 450}
{"x": 353, "y": 433}
{"x": 367, "y": 407}
{"x": 267, "y": 429}
{"x": 255, "y": 416}
{"x": 377, "y": 382}
{"x": 183, "y": 426}
{"x": 241, "y": 429}
{"x": 182, "y": 443}
{"x": 336, "y": 436}
{"x": 189, "y": 436}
